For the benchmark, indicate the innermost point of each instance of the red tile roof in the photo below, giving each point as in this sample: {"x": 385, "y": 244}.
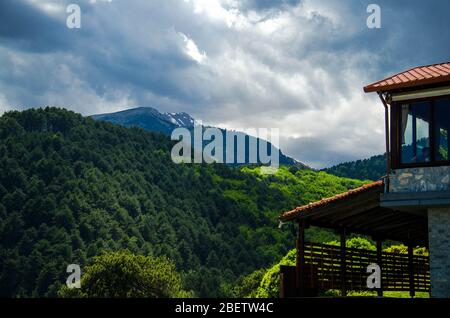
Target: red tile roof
{"x": 421, "y": 75}
{"x": 287, "y": 216}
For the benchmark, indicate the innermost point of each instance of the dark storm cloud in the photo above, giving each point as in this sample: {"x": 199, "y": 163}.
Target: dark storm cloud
{"x": 100, "y": 55}
{"x": 25, "y": 27}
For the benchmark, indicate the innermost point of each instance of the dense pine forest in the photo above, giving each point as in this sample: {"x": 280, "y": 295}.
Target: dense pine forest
{"x": 72, "y": 188}
{"x": 372, "y": 168}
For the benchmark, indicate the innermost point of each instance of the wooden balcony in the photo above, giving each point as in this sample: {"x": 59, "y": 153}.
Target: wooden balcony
{"x": 326, "y": 268}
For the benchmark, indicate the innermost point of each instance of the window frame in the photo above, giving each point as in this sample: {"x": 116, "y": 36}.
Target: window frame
{"x": 396, "y": 134}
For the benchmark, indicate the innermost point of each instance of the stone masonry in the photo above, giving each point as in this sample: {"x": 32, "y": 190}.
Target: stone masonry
{"x": 420, "y": 179}
{"x": 439, "y": 246}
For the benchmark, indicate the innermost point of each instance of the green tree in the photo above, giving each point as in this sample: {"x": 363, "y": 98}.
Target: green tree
{"x": 246, "y": 286}
{"x": 123, "y": 274}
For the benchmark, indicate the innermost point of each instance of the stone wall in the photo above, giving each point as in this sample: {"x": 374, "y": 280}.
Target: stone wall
{"x": 439, "y": 246}
{"x": 420, "y": 179}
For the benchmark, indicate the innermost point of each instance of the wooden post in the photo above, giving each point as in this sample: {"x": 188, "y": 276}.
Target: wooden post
{"x": 287, "y": 282}
{"x": 448, "y": 146}
{"x": 412, "y": 291}
{"x": 414, "y": 134}
{"x": 343, "y": 263}
{"x": 380, "y": 263}
{"x": 300, "y": 261}
{"x": 387, "y": 132}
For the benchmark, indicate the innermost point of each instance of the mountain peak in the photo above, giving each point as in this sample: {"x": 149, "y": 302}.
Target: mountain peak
{"x": 141, "y": 116}
{"x": 151, "y": 119}
{"x": 180, "y": 119}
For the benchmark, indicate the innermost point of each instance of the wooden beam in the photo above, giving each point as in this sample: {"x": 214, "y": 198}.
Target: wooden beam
{"x": 354, "y": 211}
{"x": 412, "y": 291}
{"x": 402, "y": 223}
{"x": 391, "y": 235}
{"x": 415, "y": 235}
{"x": 343, "y": 263}
{"x": 373, "y": 216}
{"x": 394, "y": 135}
{"x": 300, "y": 262}
{"x": 380, "y": 263}
{"x": 389, "y": 221}
{"x": 349, "y": 229}
{"x": 386, "y": 132}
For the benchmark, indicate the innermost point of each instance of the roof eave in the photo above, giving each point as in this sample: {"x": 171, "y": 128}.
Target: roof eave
{"x": 442, "y": 81}
{"x": 288, "y": 218}
{"x": 298, "y": 212}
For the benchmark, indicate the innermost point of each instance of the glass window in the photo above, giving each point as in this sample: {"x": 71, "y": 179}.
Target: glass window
{"x": 415, "y": 132}
{"x": 442, "y": 127}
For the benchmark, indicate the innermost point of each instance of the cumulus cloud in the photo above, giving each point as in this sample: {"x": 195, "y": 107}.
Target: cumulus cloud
{"x": 294, "y": 65}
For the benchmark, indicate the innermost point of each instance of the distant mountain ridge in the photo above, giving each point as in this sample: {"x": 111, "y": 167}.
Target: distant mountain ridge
{"x": 148, "y": 118}
{"x": 372, "y": 168}
{"x": 153, "y": 120}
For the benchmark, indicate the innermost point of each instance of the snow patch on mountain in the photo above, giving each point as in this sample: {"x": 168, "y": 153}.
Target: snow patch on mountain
{"x": 180, "y": 119}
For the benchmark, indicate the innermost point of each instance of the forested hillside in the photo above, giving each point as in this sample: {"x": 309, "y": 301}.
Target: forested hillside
{"x": 372, "y": 168}
{"x": 72, "y": 187}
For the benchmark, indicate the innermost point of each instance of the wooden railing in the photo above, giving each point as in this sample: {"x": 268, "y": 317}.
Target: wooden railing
{"x": 325, "y": 270}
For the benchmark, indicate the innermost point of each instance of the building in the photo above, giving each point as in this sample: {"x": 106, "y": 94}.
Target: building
{"x": 417, "y": 104}
{"x": 411, "y": 204}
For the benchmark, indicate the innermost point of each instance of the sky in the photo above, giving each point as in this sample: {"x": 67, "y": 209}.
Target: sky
{"x": 296, "y": 65}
